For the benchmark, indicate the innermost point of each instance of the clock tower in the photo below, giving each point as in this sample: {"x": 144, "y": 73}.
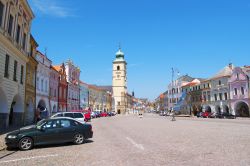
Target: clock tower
{"x": 119, "y": 84}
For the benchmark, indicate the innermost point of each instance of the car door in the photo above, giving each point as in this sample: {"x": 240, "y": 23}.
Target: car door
{"x": 49, "y": 133}
{"x": 67, "y": 130}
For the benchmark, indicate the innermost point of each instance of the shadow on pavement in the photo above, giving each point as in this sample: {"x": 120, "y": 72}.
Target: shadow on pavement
{"x": 60, "y": 145}
{"x": 6, "y": 155}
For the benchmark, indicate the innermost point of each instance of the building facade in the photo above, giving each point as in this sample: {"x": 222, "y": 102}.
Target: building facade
{"x": 175, "y": 91}
{"x": 119, "y": 82}
{"x": 84, "y": 95}
{"x": 30, "y": 89}
{"x": 73, "y": 79}
{"x": 42, "y": 84}
{"x": 239, "y": 92}
{"x": 220, "y": 101}
{"x": 15, "y": 24}
{"x": 53, "y": 89}
{"x": 63, "y": 88}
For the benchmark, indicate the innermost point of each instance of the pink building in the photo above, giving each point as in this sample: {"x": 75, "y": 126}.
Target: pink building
{"x": 239, "y": 91}
{"x": 73, "y": 75}
{"x": 53, "y": 89}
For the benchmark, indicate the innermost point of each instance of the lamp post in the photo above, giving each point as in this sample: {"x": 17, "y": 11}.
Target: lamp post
{"x": 172, "y": 87}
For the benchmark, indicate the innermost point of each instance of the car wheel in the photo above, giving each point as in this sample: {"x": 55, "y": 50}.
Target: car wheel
{"x": 25, "y": 143}
{"x": 79, "y": 139}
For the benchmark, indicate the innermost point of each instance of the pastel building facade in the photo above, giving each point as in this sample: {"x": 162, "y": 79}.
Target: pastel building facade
{"x": 73, "y": 79}
{"x": 84, "y": 95}
{"x": 239, "y": 91}
{"x": 53, "y": 85}
{"x": 42, "y": 85}
{"x": 62, "y": 88}
{"x": 15, "y": 24}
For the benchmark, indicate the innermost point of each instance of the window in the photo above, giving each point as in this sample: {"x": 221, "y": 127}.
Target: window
{"x": 208, "y": 97}
{"x": 69, "y": 115}
{"x": 220, "y": 95}
{"x": 235, "y": 91}
{"x": 119, "y": 103}
{"x": 215, "y": 97}
{"x": 18, "y": 33}
{"x": 118, "y": 67}
{"x": 37, "y": 83}
{"x": 65, "y": 123}
{"x": 46, "y": 86}
{"x": 10, "y": 25}
{"x": 219, "y": 82}
{"x": 237, "y": 75}
{"x": 54, "y": 92}
{"x": 204, "y": 86}
{"x": 42, "y": 85}
{"x": 242, "y": 91}
{"x": 15, "y": 71}
{"x": 78, "y": 115}
{"x": 7, "y": 61}
{"x": 21, "y": 79}
{"x": 1, "y": 13}
{"x": 24, "y": 41}
{"x": 225, "y": 94}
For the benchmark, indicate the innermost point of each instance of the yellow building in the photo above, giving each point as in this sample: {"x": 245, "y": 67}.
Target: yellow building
{"x": 30, "y": 90}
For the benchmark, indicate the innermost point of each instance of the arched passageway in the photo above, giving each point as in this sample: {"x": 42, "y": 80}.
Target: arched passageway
{"x": 242, "y": 109}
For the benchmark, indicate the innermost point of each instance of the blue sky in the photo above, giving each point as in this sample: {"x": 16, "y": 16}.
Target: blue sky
{"x": 197, "y": 37}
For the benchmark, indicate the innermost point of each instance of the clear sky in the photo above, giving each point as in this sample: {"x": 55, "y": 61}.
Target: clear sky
{"x": 197, "y": 37}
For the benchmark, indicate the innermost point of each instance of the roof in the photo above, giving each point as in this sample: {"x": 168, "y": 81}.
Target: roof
{"x": 58, "y": 67}
{"x": 186, "y": 78}
{"x": 53, "y": 67}
{"x": 226, "y": 71}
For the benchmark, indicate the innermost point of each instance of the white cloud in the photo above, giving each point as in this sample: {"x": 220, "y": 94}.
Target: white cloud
{"x": 51, "y": 7}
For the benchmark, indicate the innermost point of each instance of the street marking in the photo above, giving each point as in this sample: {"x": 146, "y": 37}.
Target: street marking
{"x": 28, "y": 158}
{"x": 139, "y": 146}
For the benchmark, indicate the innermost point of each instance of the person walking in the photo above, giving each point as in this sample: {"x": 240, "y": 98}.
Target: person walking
{"x": 173, "y": 116}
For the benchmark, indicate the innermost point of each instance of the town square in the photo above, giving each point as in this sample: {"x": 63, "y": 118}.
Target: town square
{"x": 124, "y": 82}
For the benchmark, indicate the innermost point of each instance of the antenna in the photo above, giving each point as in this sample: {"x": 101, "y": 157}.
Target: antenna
{"x": 45, "y": 51}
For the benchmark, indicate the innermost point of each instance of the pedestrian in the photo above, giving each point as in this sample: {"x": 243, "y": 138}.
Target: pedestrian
{"x": 38, "y": 115}
{"x": 173, "y": 116}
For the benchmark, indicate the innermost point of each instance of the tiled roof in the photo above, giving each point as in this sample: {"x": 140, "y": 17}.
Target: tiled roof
{"x": 57, "y": 67}
{"x": 226, "y": 71}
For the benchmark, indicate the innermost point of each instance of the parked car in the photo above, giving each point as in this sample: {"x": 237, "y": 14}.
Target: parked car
{"x": 75, "y": 115}
{"x": 93, "y": 114}
{"x": 205, "y": 114}
{"x": 98, "y": 115}
{"x": 104, "y": 114}
{"x": 228, "y": 115}
{"x": 199, "y": 114}
{"x": 49, "y": 131}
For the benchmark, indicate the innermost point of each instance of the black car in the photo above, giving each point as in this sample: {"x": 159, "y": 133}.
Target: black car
{"x": 49, "y": 131}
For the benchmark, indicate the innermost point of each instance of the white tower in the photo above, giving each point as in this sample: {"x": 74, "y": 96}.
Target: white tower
{"x": 119, "y": 82}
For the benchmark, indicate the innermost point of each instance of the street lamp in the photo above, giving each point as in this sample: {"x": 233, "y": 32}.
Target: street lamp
{"x": 173, "y": 112}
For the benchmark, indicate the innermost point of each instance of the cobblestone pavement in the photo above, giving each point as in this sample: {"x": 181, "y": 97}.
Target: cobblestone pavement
{"x": 152, "y": 140}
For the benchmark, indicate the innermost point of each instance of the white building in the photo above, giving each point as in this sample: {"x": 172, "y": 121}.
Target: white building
{"x": 119, "y": 82}
{"x": 42, "y": 84}
{"x": 15, "y": 24}
{"x": 219, "y": 91}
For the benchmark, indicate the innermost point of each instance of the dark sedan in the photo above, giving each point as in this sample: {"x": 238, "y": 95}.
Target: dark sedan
{"x": 49, "y": 131}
